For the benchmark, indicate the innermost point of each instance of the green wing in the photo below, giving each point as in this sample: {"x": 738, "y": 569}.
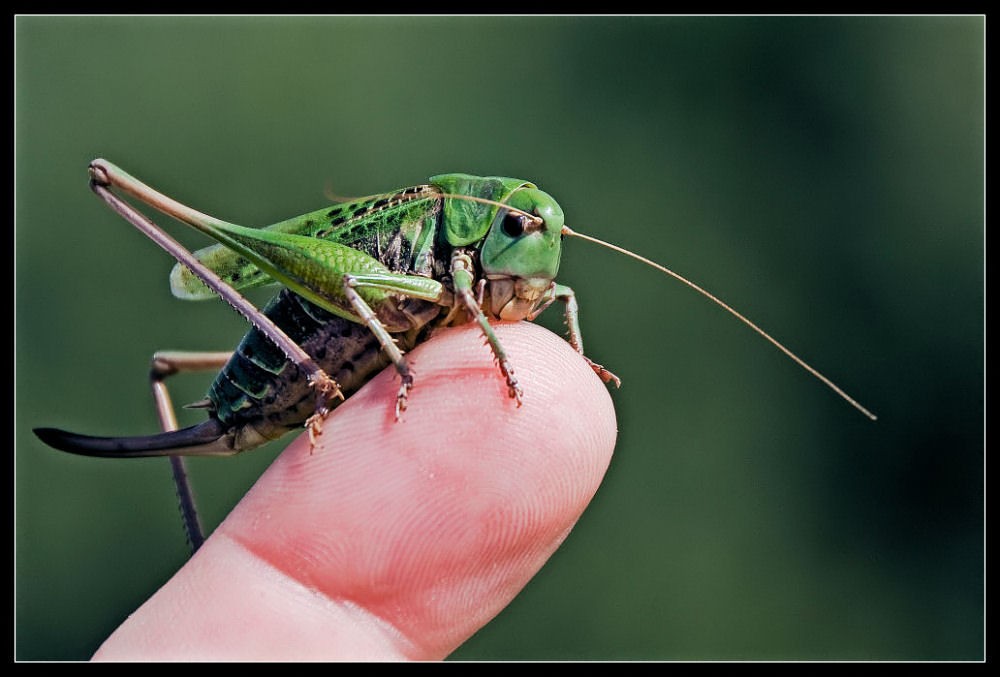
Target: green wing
{"x": 337, "y": 223}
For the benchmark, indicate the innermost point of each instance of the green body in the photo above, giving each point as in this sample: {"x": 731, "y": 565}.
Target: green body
{"x": 364, "y": 282}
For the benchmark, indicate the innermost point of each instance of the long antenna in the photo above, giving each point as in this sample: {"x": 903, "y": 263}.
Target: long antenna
{"x": 566, "y": 230}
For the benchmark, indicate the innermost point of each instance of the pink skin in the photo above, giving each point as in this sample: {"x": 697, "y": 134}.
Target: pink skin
{"x": 395, "y": 541}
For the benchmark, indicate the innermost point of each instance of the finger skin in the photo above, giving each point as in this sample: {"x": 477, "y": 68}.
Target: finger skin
{"x": 395, "y": 540}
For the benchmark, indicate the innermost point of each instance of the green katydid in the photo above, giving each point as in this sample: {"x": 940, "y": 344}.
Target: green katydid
{"x": 364, "y": 282}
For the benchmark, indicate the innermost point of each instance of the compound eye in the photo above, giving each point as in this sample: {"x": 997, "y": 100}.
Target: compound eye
{"x": 513, "y": 224}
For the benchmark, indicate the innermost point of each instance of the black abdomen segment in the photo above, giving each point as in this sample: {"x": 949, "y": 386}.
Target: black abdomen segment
{"x": 260, "y": 390}
{"x": 259, "y": 395}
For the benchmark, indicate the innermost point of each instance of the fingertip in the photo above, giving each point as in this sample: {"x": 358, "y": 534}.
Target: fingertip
{"x": 427, "y": 526}
{"x": 468, "y": 486}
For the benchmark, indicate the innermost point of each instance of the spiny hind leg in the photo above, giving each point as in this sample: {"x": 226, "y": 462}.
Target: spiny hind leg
{"x": 165, "y": 364}
{"x": 105, "y": 176}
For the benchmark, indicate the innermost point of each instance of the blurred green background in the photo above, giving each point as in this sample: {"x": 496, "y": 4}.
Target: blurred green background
{"x": 823, "y": 175}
